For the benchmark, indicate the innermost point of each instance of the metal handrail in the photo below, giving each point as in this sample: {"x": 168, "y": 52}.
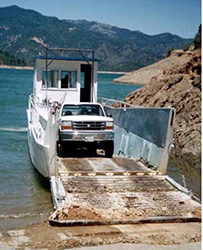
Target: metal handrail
{"x": 125, "y": 104}
{"x": 72, "y": 49}
{"x": 80, "y": 51}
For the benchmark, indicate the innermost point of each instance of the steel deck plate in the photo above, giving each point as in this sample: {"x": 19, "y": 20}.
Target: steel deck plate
{"x": 119, "y": 189}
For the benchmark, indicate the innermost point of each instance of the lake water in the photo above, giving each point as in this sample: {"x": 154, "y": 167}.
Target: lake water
{"x": 24, "y": 195}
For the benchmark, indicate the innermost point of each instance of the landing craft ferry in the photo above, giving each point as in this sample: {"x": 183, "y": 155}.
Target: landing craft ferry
{"x": 122, "y": 178}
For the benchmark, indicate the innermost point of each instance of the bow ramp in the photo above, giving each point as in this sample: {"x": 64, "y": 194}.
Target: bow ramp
{"x": 90, "y": 191}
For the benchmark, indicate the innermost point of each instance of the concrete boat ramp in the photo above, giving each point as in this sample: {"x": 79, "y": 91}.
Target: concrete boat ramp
{"x": 102, "y": 191}
{"x": 164, "y": 236}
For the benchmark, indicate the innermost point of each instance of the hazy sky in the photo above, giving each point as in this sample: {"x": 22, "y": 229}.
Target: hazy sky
{"x": 180, "y": 17}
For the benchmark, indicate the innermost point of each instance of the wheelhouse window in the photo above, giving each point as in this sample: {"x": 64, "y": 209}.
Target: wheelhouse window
{"x": 68, "y": 79}
{"x": 83, "y": 109}
{"x": 52, "y": 79}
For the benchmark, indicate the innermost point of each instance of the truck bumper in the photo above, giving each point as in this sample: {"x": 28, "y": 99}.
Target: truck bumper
{"x": 86, "y": 136}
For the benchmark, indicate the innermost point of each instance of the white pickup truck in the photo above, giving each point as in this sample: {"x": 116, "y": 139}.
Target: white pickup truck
{"x": 85, "y": 125}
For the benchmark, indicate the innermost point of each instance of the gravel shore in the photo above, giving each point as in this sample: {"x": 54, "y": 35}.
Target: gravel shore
{"x": 166, "y": 236}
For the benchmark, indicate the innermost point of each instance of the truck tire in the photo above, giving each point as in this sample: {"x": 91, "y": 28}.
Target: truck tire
{"x": 109, "y": 148}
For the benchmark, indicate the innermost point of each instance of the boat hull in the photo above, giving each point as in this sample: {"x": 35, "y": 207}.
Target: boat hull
{"x": 39, "y": 154}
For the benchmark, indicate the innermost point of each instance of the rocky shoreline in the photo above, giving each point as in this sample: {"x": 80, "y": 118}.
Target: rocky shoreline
{"x": 144, "y": 75}
{"x": 174, "y": 81}
{"x": 15, "y": 67}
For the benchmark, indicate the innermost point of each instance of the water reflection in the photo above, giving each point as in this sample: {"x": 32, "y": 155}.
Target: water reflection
{"x": 192, "y": 175}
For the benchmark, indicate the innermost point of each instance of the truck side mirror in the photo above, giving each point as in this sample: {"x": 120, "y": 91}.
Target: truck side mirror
{"x": 109, "y": 115}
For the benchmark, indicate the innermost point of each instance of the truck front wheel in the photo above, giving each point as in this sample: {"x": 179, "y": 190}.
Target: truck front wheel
{"x": 109, "y": 148}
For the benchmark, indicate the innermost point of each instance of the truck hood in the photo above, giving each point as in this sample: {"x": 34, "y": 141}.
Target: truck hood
{"x": 86, "y": 118}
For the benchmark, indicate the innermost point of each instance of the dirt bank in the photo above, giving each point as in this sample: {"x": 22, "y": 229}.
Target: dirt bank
{"x": 177, "y": 58}
{"x": 175, "y": 81}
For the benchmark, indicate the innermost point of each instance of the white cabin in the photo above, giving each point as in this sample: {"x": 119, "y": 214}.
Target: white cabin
{"x": 65, "y": 79}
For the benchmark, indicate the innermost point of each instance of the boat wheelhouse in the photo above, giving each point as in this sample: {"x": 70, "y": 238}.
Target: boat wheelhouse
{"x": 67, "y": 78}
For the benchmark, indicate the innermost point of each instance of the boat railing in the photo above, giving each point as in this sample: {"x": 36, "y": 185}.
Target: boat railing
{"x": 38, "y": 119}
{"x": 117, "y": 104}
{"x": 142, "y": 132}
{"x": 123, "y": 105}
{"x": 31, "y": 103}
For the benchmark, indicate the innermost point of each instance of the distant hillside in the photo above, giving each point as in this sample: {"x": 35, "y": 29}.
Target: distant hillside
{"x": 7, "y": 59}
{"x": 23, "y": 33}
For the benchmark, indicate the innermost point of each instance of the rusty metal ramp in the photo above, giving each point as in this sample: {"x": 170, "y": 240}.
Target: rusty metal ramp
{"x": 115, "y": 191}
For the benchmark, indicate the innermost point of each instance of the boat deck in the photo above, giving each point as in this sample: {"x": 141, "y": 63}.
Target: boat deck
{"x": 119, "y": 190}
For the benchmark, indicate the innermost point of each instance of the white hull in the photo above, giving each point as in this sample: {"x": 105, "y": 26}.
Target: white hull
{"x": 39, "y": 154}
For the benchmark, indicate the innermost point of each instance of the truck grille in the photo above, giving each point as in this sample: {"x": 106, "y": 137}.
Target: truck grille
{"x": 89, "y": 125}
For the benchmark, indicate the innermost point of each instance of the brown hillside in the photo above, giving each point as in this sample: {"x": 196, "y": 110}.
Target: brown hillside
{"x": 178, "y": 85}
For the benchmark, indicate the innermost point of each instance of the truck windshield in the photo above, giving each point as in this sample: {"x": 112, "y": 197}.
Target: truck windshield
{"x": 83, "y": 109}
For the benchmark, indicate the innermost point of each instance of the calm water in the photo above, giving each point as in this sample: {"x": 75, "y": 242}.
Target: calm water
{"x": 24, "y": 195}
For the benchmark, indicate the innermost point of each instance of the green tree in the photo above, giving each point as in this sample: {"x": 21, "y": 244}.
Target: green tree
{"x": 197, "y": 38}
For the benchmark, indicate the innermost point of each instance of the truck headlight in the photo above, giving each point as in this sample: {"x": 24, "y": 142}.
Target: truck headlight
{"x": 109, "y": 125}
{"x": 66, "y": 125}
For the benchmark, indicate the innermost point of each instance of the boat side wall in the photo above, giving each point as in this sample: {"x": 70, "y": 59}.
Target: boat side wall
{"x": 39, "y": 155}
{"x": 143, "y": 133}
